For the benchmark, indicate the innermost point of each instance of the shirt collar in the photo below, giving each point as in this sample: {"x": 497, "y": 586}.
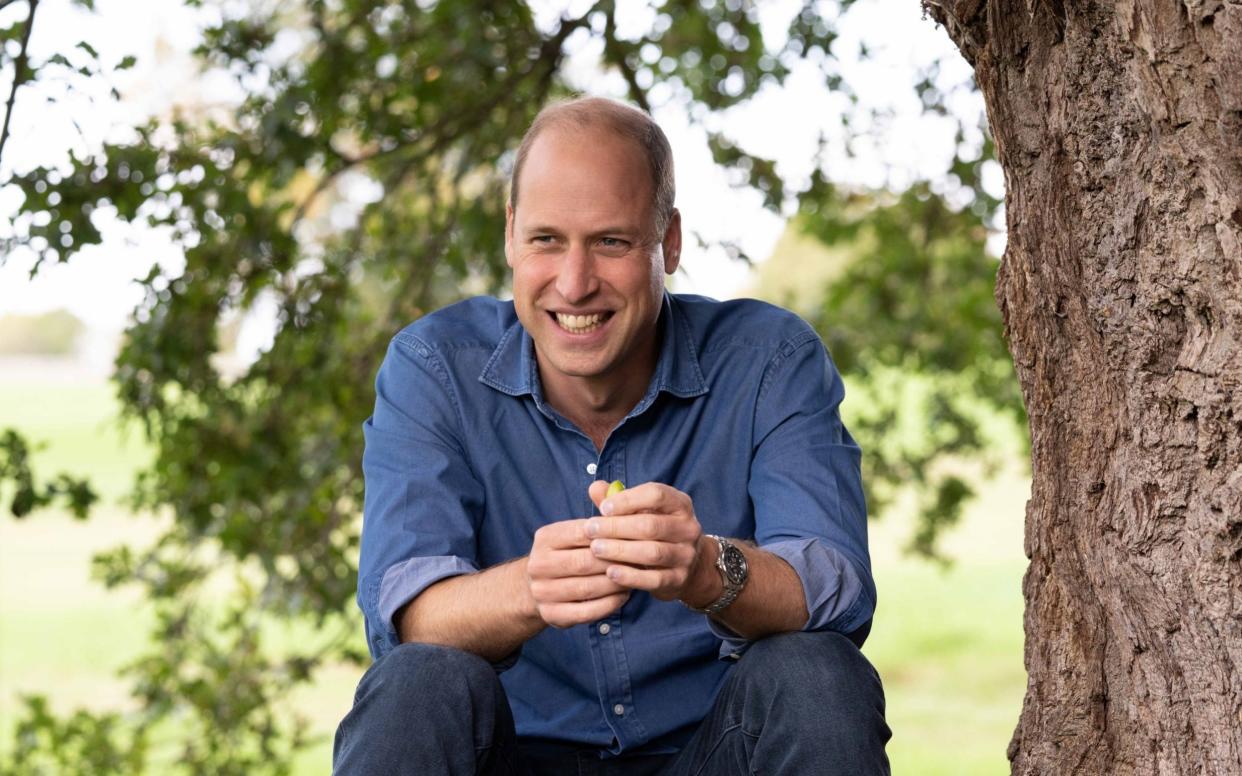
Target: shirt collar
{"x": 512, "y": 368}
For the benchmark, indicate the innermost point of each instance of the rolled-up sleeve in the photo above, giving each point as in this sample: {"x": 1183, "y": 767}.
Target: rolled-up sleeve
{"x": 806, "y": 488}
{"x": 423, "y": 501}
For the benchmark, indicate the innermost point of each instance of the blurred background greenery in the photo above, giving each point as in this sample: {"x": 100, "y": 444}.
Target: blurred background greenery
{"x": 947, "y": 640}
{"x": 328, "y": 170}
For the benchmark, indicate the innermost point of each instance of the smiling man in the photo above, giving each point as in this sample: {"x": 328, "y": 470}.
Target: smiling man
{"x": 708, "y": 619}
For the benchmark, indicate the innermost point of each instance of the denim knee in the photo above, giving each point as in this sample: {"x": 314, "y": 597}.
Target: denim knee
{"x": 428, "y": 676}
{"x": 810, "y": 671}
{"x": 812, "y": 704}
{"x": 424, "y": 708}
{"x": 829, "y": 657}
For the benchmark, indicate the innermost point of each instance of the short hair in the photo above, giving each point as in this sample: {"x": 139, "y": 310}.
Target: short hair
{"x": 627, "y": 122}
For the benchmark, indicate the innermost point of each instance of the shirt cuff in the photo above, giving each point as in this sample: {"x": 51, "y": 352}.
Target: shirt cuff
{"x": 403, "y": 581}
{"x": 835, "y": 593}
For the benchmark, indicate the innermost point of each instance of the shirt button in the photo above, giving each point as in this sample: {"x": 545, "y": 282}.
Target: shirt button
{"x": 604, "y": 628}
{"x": 618, "y": 709}
{"x": 591, "y": 469}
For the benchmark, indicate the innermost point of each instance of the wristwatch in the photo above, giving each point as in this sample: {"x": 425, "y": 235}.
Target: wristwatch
{"x": 734, "y": 572}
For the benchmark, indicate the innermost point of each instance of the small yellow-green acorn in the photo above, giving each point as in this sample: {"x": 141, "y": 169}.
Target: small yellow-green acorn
{"x": 615, "y": 487}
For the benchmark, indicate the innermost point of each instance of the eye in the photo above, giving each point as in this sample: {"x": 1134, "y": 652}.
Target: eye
{"x": 613, "y": 243}
{"x": 542, "y": 239}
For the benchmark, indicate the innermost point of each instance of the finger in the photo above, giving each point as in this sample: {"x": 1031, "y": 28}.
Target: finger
{"x": 578, "y": 562}
{"x": 652, "y": 580}
{"x": 568, "y": 614}
{"x": 648, "y": 497}
{"x": 644, "y": 527}
{"x": 553, "y": 564}
{"x": 597, "y": 491}
{"x": 574, "y": 589}
{"x": 640, "y": 553}
{"x": 562, "y": 534}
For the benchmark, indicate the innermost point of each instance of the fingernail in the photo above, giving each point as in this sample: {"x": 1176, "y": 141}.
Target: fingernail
{"x": 605, "y": 508}
{"x": 592, "y": 528}
{"x": 599, "y": 546}
{"x": 613, "y": 574}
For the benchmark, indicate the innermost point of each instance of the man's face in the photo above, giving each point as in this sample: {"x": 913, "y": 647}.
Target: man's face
{"x": 588, "y": 268}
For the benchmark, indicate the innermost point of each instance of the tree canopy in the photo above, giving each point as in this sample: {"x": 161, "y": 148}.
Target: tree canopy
{"x": 418, "y": 105}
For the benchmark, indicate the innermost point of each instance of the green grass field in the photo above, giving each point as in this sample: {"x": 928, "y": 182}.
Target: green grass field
{"x": 947, "y": 643}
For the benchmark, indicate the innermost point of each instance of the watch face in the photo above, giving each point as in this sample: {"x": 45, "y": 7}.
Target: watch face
{"x": 735, "y": 565}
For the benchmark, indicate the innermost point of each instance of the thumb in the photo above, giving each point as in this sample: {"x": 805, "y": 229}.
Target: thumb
{"x": 598, "y": 491}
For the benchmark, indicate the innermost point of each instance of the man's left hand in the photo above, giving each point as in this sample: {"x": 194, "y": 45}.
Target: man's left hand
{"x": 654, "y": 541}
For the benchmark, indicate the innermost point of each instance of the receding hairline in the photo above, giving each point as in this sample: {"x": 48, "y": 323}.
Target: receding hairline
{"x": 566, "y": 127}
{"x": 587, "y": 113}
{"x": 618, "y": 119}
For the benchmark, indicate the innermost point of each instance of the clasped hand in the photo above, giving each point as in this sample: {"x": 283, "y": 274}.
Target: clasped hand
{"x": 647, "y": 538}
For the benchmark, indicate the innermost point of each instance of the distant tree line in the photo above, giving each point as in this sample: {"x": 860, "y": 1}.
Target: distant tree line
{"x": 53, "y": 333}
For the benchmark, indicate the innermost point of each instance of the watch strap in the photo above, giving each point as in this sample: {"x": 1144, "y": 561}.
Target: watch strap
{"x": 731, "y": 589}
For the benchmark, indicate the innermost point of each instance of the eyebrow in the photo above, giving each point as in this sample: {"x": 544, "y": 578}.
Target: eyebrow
{"x": 615, "y": 229}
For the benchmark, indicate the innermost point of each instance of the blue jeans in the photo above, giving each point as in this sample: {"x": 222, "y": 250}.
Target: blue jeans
{"x": 801, "y": 704}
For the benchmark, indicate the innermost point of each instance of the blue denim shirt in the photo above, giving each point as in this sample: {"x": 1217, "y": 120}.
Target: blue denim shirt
{"x": 464, "y": 461}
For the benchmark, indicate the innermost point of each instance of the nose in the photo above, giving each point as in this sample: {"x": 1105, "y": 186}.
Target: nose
{"x": 576, "y": 279}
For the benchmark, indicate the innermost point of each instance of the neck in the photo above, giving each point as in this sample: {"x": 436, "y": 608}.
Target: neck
{"x": 596, "y": 404}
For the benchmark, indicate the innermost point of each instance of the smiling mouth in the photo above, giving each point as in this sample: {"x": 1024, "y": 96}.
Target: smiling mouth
{"x": 581, "y": 324}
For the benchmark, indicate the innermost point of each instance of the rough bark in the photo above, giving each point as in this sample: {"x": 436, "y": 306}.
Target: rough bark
{"x": 1119, "y": 127}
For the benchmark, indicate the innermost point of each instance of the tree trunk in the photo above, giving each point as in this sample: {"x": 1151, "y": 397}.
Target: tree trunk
{"x": 1119, "y": 127}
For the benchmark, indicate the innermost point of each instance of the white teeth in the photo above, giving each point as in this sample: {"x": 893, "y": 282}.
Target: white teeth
{"x": 579, "y": 324}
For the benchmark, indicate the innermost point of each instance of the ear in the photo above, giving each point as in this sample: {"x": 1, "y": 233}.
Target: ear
{"x": 509, "y": 235}
{"x": 672, "y": 243}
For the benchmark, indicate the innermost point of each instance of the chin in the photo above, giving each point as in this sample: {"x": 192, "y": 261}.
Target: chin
{"x": 578, "y": 368}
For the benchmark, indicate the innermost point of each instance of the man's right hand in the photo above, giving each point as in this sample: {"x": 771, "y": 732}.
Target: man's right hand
{"x": 566, "y": 580}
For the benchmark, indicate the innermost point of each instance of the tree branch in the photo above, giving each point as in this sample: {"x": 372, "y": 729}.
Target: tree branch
{"x": 20, "y": 69}
{"x": 443, "y": 131}
{"x": 961, "y": 19}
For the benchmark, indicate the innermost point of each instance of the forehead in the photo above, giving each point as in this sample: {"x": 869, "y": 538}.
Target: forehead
{"x": 572, "y": 169}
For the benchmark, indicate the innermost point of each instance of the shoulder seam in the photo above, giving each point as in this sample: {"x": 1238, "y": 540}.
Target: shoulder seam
{"x": 436, "y": 365}
{"x": 783, "y": 353}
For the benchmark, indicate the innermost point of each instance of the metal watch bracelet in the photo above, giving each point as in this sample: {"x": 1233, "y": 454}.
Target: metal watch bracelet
{"x": 731, "y": 589}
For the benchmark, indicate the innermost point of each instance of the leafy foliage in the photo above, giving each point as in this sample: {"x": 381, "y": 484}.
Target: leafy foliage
{"x": 81, "y": 743}
{"x": 913, "y": 321}
{"x": 73, "y": 493}
{"x": 359, "y": 184}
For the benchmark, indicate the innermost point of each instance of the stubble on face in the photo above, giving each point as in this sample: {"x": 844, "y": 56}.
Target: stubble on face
{"x": 588, "y": 269}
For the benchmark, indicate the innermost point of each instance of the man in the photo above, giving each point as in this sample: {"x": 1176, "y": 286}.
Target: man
{"x": 708, "y": 620}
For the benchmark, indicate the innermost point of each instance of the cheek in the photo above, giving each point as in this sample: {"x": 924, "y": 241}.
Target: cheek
{"x": 638, "y": 279}
{"x": 653, "y": 280}
{"x": 524, "y": 298}
{"x": 528, "y": 276}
